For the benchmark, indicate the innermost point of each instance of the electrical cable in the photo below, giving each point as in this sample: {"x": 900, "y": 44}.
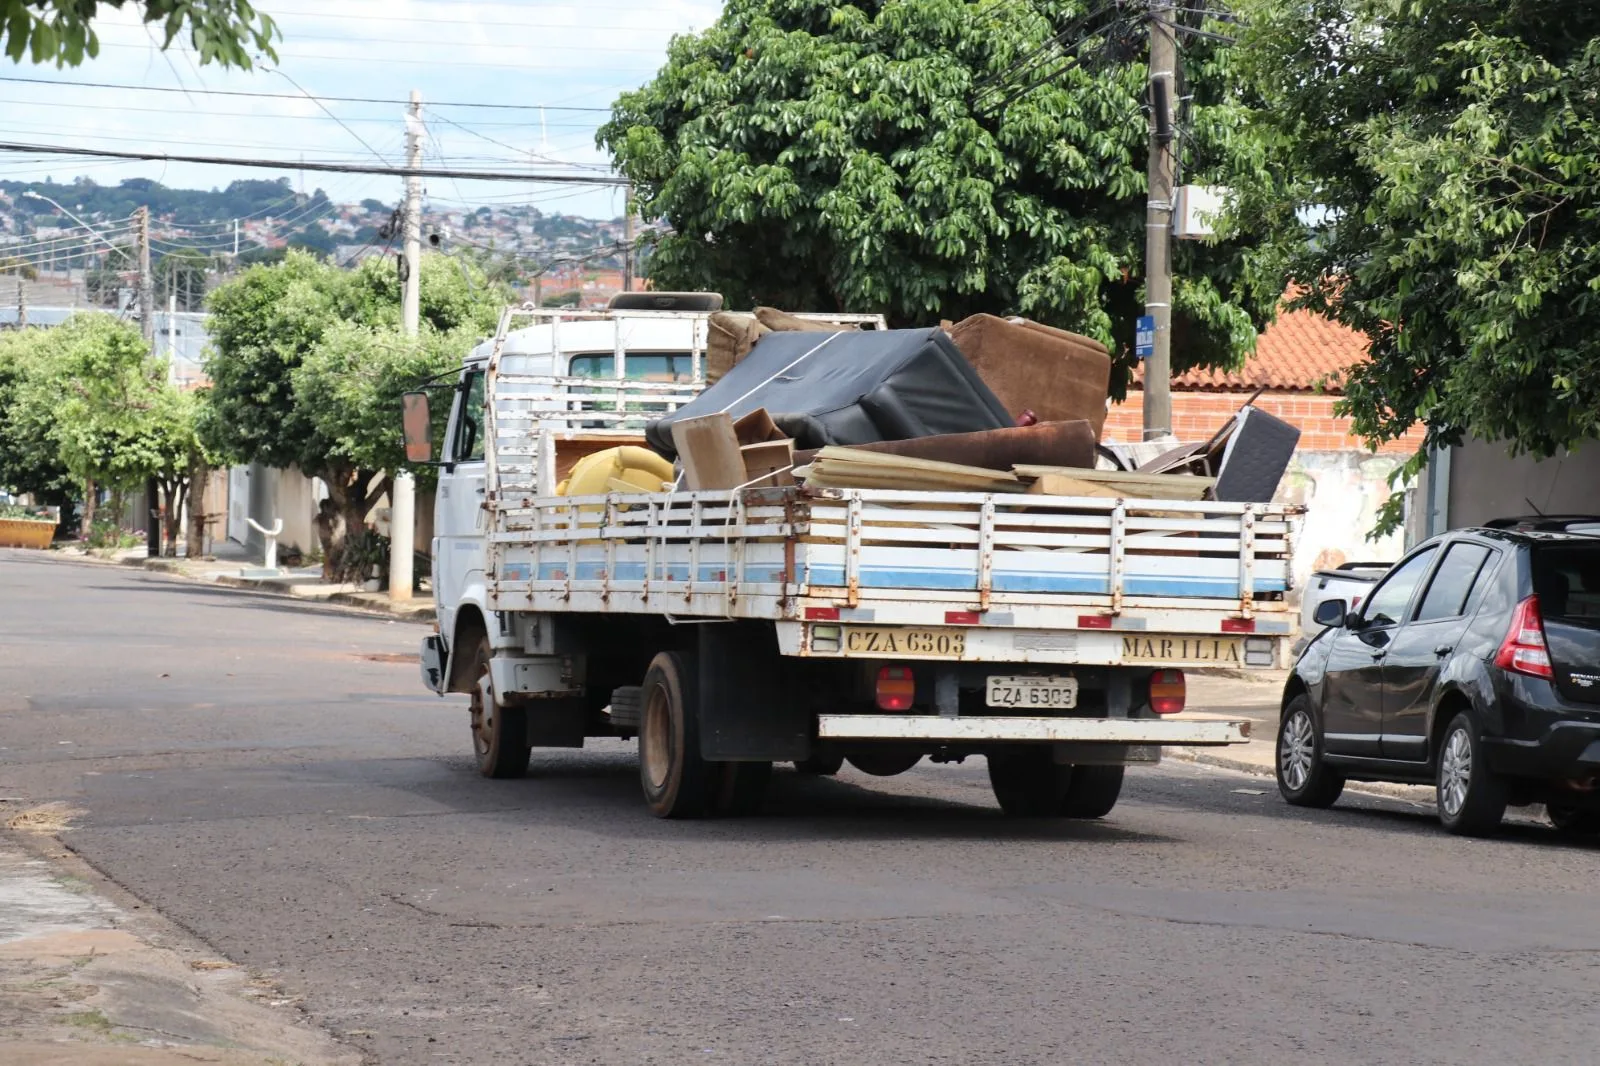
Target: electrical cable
{"x": 292, "y": 96}
{"x": 332, "y": 168}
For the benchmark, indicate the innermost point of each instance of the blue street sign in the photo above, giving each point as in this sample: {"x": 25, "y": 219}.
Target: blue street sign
{"x": 1144, "y": 337}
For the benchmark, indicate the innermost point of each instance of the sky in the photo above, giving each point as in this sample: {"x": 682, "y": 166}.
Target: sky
{"x": 553, "y": 68}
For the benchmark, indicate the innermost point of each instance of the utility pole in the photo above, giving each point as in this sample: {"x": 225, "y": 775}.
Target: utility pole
{"x": 235, "y": 240}
{"x": 22, "y": 300}
{"x": 627, "y": 240}
{"x": 1158, "y": 220}
{"x": 147, "y": 316}
{"x": 402, "y": 502}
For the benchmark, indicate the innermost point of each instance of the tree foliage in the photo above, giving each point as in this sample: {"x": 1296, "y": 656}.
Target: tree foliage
{"x": 85, "y": 405}
{"x": 831, "y": 154}
{"x": 62, "y": 31}
{"x": 308, "y": 362}
{"x": 1438, "y": 191}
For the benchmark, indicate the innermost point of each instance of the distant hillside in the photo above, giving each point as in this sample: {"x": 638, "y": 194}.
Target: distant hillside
{"x": 272, "y": 216}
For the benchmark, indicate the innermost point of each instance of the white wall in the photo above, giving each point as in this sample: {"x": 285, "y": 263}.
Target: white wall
{"x": 1342, "y": 492}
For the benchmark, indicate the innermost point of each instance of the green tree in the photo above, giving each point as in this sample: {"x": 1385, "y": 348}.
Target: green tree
{"x": 30, "y": 461}
{"x": 61, "y": 31}
{"x": 90, "y": 393}
{"x": 1435, "y": 188}
{"x": 854, "y": 155}
{"x": 271, "y": 321}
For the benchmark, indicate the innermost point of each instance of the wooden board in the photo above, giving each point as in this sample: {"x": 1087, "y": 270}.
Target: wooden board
{"x": 1061, "y": 485}
{"x": 849, "y": 468}
{"x": 709, "y": 450}
{"x": 1128, "y": 482}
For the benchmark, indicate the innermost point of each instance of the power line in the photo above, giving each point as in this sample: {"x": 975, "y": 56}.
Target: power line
{"x": 292, "y": 96}
{"x": 272, "y": 117}
{"x": 322, "y": 57}
{"x": 333, "y": 168}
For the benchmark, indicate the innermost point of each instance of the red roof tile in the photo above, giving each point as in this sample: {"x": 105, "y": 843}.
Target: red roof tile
{"x": 1299, "y": 350}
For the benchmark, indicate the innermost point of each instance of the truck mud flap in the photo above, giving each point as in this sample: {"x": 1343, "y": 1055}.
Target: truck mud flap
{"x": 751, "y": 701}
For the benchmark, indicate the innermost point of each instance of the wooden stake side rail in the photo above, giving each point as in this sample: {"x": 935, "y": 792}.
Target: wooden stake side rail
{"x": 772, "y": 552}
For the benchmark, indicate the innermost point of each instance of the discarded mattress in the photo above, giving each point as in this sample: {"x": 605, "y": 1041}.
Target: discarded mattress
{"x": 1059, "y": 376}
{"x": 855, "y": 387}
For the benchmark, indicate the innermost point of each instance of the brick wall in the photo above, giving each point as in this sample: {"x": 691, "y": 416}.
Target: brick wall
{"x": 1197, "y": 415}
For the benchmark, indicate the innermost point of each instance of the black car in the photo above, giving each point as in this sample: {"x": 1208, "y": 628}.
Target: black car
{"x": 1474, "y": 666}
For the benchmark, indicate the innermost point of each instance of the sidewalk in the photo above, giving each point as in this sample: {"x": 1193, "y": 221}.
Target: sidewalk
{"x": 1253, "y": 697}
{"x": 233, "y": 568}
{"x": 85, "y": 981}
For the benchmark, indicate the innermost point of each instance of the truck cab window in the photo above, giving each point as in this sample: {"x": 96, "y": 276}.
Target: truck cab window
{"x": 468, "y": 445}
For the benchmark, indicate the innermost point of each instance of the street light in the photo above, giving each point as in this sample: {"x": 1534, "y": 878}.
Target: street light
{"x": 37, "y": 196}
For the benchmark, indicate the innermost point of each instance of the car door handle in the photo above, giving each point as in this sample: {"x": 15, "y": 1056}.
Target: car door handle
{"x": 1444, "y": 649}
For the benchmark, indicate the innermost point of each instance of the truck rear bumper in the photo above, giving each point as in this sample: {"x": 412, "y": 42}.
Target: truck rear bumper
{"x": 974, "y": 729}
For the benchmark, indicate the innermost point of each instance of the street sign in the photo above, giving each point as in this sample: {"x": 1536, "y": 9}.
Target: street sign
{"x": 1144, "y": 337}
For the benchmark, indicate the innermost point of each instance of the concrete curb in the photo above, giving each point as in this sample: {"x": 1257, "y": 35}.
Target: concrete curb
{"x": 275, "y": 587}
{"x": 1421, "y": 795}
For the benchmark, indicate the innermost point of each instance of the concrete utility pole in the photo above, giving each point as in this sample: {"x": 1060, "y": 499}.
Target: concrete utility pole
{"x": 402, "y": 502}
{"x": 627, "y": 240}
{"x": 1158, "y": 220}
{"x": 147, "y": 300}
{"x": 22, "y": 300}
{"x": 235, "y": 239}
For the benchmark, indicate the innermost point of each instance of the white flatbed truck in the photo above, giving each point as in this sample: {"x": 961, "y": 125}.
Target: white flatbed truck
{"x": 731, "y": 630}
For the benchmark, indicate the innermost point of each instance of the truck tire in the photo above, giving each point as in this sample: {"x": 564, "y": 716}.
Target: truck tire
{"x": 499, "y": 733}
{"x": 820, "y": 765}
{"x": 889, "y": 762}
{"x": 676, "y": 779}
{"x": 741, "y": 788}
{"x": 1092, "y": 792}
{"x": 1028, "y": 782}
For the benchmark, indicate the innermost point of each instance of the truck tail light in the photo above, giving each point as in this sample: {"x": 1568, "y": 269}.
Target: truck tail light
{"x": 896, "y": 688}
{"x": 1167, "y": 691}
{"x": 1524, "y": 650}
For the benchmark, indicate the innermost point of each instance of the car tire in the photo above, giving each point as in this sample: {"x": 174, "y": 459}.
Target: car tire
{"x": 1471, "y": 799}
{"x": 677, "y": 781}
{"x": 1028, "y": 782}
{"x": 1573, "y": 821}
{"x": 1092, "y": 791}
{"x": 1304, "y": 777}
{"x": 499, "y": 732}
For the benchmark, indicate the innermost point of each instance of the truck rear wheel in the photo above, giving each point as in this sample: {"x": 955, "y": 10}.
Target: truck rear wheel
{"x": 1092, "y": 792}
{"x": 1028, "y": 782}
{"x": 740, "y": 787}
{"x": 499, "y": 733}
{"x": 675, "y": 778}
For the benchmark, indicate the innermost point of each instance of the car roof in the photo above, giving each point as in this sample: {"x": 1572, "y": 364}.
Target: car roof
{"x": 1527, "y": 536}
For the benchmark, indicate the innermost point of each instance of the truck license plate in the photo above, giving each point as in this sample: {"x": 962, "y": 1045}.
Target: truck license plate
{"x": 1045, "y": 693}
{"x": 906, "y": 642}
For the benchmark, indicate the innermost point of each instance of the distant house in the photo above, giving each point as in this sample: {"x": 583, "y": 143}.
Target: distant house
{"x": 1299, "y": 360}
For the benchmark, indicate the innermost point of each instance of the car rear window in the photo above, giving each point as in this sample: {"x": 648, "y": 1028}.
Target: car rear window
{"x": 1567, "y": 579}
{"x": 1452, "y": 583}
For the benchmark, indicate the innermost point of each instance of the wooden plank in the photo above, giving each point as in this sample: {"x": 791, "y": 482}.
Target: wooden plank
{"x": 1126, "y": 482}
{"x": 709, "y": 450}
{"x": 853, "y": 468}
{"x": 1061, "y": 485}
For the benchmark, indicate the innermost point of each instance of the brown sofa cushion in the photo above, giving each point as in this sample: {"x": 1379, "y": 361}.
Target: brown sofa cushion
{"x": 1059, "y": 376}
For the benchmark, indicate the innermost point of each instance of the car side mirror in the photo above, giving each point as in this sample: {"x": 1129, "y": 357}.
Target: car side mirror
{"x": 417, "y": 427}
{"x": 1330, "y": 613}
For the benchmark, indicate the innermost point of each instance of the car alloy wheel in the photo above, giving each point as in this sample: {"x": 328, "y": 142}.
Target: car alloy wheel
{"x": 1296, "y": 750}
{"x": 1455, "y": 772}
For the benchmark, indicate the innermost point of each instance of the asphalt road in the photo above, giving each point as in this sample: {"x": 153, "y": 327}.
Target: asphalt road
{"x": 272, "y": 777}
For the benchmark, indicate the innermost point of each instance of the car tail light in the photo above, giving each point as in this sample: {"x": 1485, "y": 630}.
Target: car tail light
{"x": 896, "y": 688}
{"x": 1167, "y": 691}
{"x": 1524, "y": 650}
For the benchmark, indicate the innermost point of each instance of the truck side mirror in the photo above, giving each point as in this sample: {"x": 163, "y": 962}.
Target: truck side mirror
{"x": 1329, "y": 613}
{"x": 417, "y": 427}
